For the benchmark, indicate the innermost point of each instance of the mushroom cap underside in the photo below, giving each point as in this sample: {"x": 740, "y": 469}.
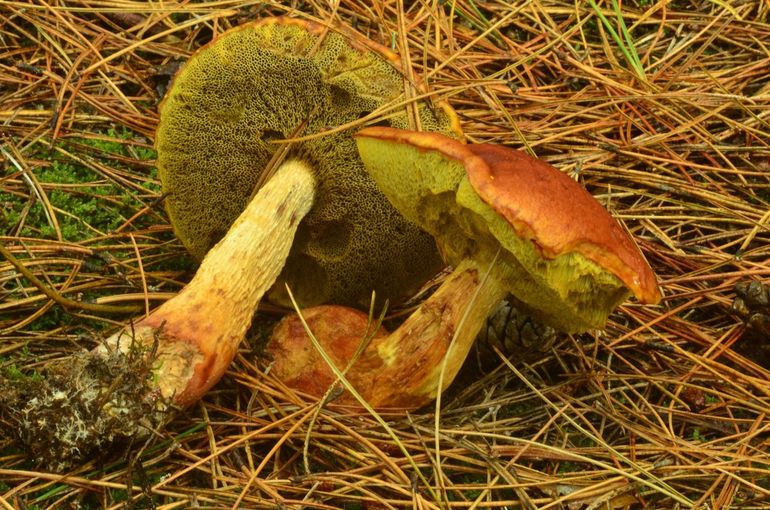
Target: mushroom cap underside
{"x": 558, "y": 249}
{"x": 255, "y": 85}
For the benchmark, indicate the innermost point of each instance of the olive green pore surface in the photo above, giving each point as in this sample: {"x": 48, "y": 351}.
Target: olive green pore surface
{"x": 570, "y": 293}
{"x": 257, "y": 84}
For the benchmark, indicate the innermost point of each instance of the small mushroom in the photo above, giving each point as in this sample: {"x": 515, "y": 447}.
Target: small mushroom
{"x": 508, "y": 223}
{"x": 258, "y": 84}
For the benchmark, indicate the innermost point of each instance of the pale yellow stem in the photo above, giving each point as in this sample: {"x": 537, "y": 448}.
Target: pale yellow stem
{"x": 199, "y": 330}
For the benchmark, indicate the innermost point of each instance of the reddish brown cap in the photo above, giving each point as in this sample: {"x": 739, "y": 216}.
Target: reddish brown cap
{"x": 541, "y": 204}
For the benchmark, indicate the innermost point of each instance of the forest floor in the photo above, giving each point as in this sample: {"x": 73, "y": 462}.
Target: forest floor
{"x": 661, "y": 109}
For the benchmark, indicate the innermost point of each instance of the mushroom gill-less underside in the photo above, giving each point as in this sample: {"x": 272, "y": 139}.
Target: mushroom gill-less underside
{"x": 264, "y": 82}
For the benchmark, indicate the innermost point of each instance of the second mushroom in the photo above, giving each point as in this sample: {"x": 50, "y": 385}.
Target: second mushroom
{"x": 508, "y": 223}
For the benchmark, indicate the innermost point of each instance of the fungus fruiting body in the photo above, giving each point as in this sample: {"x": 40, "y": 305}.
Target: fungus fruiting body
{"x": 558, "y": 250}
{"x": 130, "y": 384}
{"x": 222, "y": 122}
{"x": 507, "y": 222}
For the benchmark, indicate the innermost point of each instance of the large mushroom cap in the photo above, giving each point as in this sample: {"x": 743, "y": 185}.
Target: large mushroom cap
{"x": 560, "y": 251}
{"x": 259, "y": 83}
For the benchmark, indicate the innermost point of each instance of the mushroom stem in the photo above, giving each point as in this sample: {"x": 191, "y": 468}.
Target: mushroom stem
{"x": 199, "y": 330}
{"x": 438, "y": 335}
{"x": 397, "y": 370}
{"x": 129, "y": 385}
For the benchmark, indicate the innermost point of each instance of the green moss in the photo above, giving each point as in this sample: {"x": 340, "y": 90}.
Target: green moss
{"x": 14, "y": 373}
{"x": 696, "y": 435}
{"x": 87, "y": 205}
{"x": 84, "y": 202}
{"x": 114, "y": 141}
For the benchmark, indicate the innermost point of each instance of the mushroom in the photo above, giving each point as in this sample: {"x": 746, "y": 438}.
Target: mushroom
{"x": 258, "y": 84}
{"x": 560, "y": 252}
{"x": 131, "y": 384}
{"x": 509, "y": 223}
{"x": 318, "y": 221}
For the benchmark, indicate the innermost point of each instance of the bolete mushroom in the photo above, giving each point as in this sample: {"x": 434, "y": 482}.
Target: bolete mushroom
{"x": 258, "y": 83}
{"x": 130, "y": 385}
{"x": 282, "y": 78}
{"x": 560, "y": 252}
{"x": 509, "y": 223}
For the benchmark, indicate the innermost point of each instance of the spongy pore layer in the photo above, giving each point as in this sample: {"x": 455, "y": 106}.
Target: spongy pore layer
{"x": 257, "y": 84}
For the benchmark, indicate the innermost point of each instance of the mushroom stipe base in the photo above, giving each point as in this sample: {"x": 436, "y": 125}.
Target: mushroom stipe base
{"x": 134, "y": 381}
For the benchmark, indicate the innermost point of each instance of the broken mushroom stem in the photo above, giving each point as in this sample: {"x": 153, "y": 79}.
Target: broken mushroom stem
{"x": 400, "y": 370}
{"x": 133, "y": 382}
{"x": 436, "y": 337}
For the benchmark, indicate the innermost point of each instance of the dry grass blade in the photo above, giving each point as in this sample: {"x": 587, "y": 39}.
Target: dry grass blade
{"x": 660, "y": 108}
